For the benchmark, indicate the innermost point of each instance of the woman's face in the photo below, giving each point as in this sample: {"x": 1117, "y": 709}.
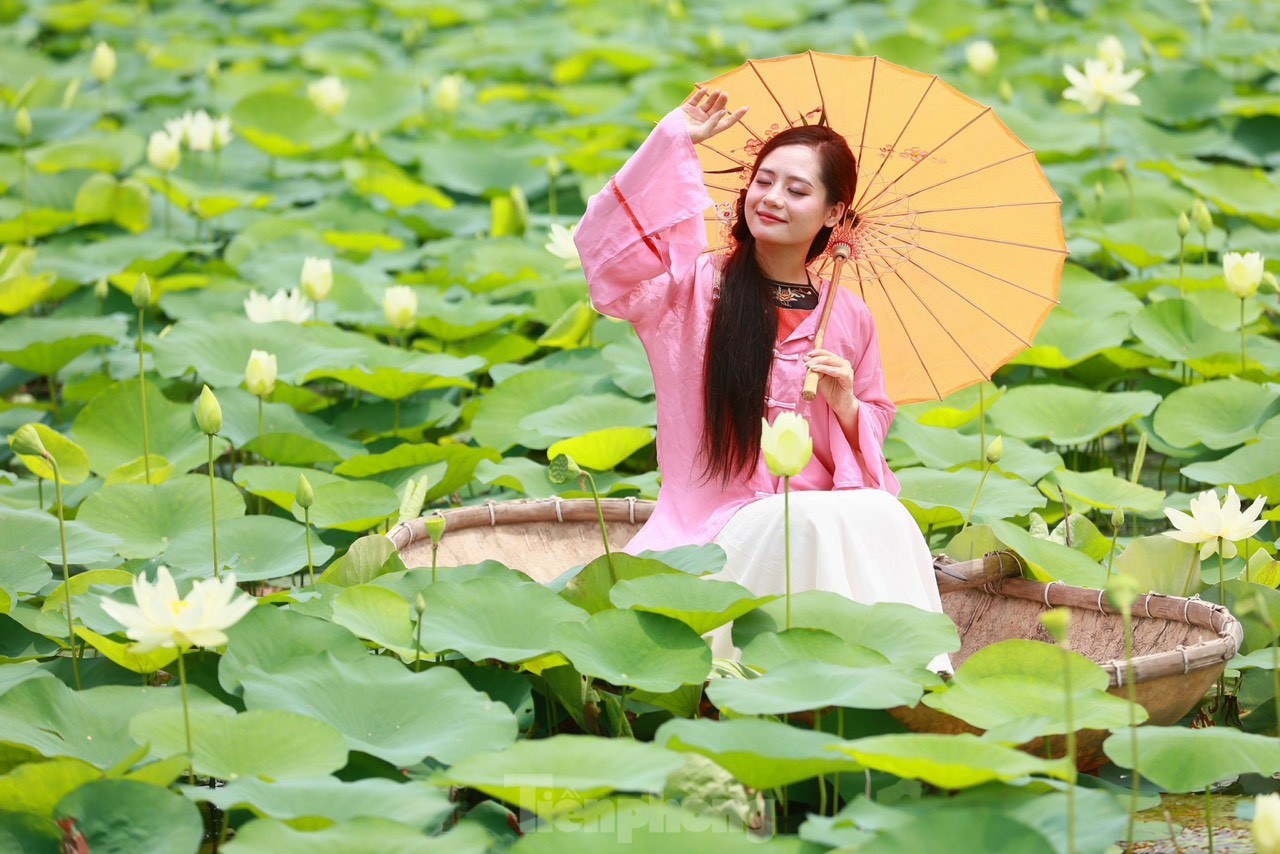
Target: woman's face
{"x": 786, "y": 202}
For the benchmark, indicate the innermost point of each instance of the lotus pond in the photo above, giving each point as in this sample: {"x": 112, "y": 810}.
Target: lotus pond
{"x": 348, "y": 221}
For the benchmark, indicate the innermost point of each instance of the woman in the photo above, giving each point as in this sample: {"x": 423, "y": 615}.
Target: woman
{"x": 729, "y": 342}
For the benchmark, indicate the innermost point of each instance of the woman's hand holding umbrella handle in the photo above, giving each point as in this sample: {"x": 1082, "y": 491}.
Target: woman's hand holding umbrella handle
{"x": 706, "y": 114}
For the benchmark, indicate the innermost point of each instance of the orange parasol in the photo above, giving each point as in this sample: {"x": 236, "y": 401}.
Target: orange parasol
{"x": 957, "y": 243}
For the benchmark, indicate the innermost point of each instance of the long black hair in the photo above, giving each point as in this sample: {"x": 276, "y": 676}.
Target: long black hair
{"x": 744, "y": 322}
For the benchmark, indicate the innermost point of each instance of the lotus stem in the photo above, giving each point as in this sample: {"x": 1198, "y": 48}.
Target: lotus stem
{"x": 395, "y": 424}
{"x": 1071, "y": 751}
{"x": 435, "y": 553}
{"x": 306, "y": 524}
{"x": 213, "y": 505}
{"x": 822, "y": 783}
{"x": 1102, "y": 148}
{"x": 217, "y": 167}
{"x": 164, "y": 183}
{"x": 786, "y": 533}
{"x": 1182, "y": 257}
{"x": 1208, "y": 815}
{"x": 261, "y": 433}
{"x": 66, "y": 569}
{"x": 604, "y": 533}
{"x": 1131, "y": 678}
{"x": 186, "y": 716}
{"x": 142, "y": 399}
{"x": 26, "y": 199}
{"x": 1243, "y": 364}
{"x": 986, "y": 469}
{"x": 982, "y": 421}
{"x": 1111, "y": 555}
{"x": 417, "y": 646}
{"x": 1222, "y": 576}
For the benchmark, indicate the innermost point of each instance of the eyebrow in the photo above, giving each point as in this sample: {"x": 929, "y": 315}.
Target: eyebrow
{"x": 799, "y": 178}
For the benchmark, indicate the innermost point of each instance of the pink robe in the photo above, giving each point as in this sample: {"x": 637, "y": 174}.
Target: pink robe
{"x": 643, "y": 246}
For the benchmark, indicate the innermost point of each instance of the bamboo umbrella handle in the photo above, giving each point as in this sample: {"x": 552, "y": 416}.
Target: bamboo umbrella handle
{"x": 811, "y": 377}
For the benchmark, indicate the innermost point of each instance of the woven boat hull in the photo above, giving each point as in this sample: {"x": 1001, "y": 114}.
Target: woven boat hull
{"x": 1181, "y": 646}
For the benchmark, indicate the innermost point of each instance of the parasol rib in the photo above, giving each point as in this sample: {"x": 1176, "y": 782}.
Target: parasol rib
{"x": 862, "y": 199}
{"x": 934, "y": 150}
{"x": 866, "y": 115}
{"x": 986, "y": 273}
{"x": 781, "y": 109}
{"x": 914, "y": 193}
{"x": 712, "y": 148}
{"x": 822, "y": 99}
{"x": 990, "y": 207}
{"x": 1024, "y": 342}
{"x": 991, "y": 240}
{"x": 923, "y": 365}
{"x": 925, "y": 305}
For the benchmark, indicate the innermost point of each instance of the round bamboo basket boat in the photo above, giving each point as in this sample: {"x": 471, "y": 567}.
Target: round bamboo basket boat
{"x": 1181, "y": 646}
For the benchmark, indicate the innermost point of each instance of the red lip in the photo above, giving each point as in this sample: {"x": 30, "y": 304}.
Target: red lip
{"x": 767, "y": 217}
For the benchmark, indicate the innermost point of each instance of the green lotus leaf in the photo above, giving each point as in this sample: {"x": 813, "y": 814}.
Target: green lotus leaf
{"x": 405, "y": 374}
{"x": 589, "y": 589}
{"x": 1162, "y": 565}
{"x": 1065, "y": 340}
{"x": 279, "y": 484}
{"x": 1103, "y": 490}
{"x": 489, "y": 618}
{"x": 453, "y": 318}
{"x": 28, "y": 832}
{"x": 126, "y": 203}
{"x": 636, "y": 648}
{"x": 800, "y": 686}
{"x": 112, "y": 153}
{"x": 153, "y": 469}
{"x": 301, "y": 802}
{"x": 148, "y": 518}
{"x": 629, "y": 366}
{"x": 255, "y": 547}
{"x": 588, "y": 413}
{"x": 379, "y": 615}
{"x": 941, "y": 498}
{"x": 269, "y": 836}
{"x": 351, "y": 506}
{"x": 367, "y": 558}
{"x": 398, "y": 188}
{"x": 698, "y": 560}
{"x": 903, "y": 634}
{"x": 402, "y": 462}
{"x": 603, "y": 449}
{"x": 520, "y": 474}
{"x": 385, "y": 710}
{"x": 110, "y": 429}
{"x": 1241, "y": 468}
{"x": 284, "y": 125}
{"x": 1243, "y": 192}
{"x": 22, "y": 573}
{"x": 126, "y": 815}
{"x": 500, "y": 412}
{"x": 1050, "y": 561}
{"x": 452, "y": 164}
{"x": 37, "y": 787}
{"x": 268, "y": 638}
{"x": 956, "y": 761}
{"x": 763, "y": 754}
{"x": 72, "y": 461}
{"x": 83, "y": 582}
{"x": 774, "y": 649}
{"x": 18, "y": 643}
{"x": 557, "y": 773}
{"x": 699, "y": 604}
{"x": 1143, "y": 242}
{"x": 39, "y": 222}
{"x": 1066, "y": 415}
{"x": 268, "y": 743}
{"x": 121, "y": 652}
{"x": 1186, "y": 760}
{"x": 45, "y": 345}
{"x": 35, "y": 533}
{"x": 292, "y": 438}
{"x": 942, "y": 448}
{"x": 1218, "y": 414}
{"x": 571, "y": 328}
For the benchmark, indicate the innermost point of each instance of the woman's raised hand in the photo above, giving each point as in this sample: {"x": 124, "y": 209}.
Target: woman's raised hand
{"x": 705, "y": 114}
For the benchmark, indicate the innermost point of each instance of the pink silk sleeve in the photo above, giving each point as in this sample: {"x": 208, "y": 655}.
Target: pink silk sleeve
{"x": 865, "y": 466}
{"x": 642, "y": 233}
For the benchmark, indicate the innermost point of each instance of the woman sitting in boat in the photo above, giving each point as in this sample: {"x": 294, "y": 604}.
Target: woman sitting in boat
{"x": 729, "y": 340}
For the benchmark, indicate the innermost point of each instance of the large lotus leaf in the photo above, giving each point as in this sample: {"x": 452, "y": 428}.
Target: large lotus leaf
{"x": 403, "y": 374}
{"x": 1066, "y": 415}
{"x": 45, "y": 345}
{"x": 1050, "y": 561}
{"x": 402, "y": 462}
{"x": 1103, "y": 490}
{"x": 355, "y": 836}
{"x": 557, "y": 773}
{"x": 460, "y": 318}
{"x": 452, "y": 164}
{"x": 148, "y": 518}
{"x": 1174, "y": 329}
{"x": 22, "y": 573}
{"x": 698, "y": 560}
{"x": 588, "y": 413}
{"x": 385, "y": 179}
{"x": 385, "y": 710}
{"x": 269, "y": 638}
{"x": 218, "y": 352}
{"x": 367, "y": 558}
{"x": 99, "y": 152}
{"x": 503, "y": 408}
{"x": 85, "y": 262}
{"x": 122, "y": 652}
{"x": 35, "y": 533}
{"x": 279, "y": 484}
{"x": 301, "y": 802}
{"x": 292, "y": 437}
{"x": 629, "y": 366}
{"x": 1217, "y": 414}
{"x": 28, "y": 832}
{"x": 957, "y": 410}
{"x": 1142, "y": 241}
{"x": 376, "y": 614}
{"x": 255, "y": 547}
{"x": 769, "y": 650}
{"x": 601, "y": 450}
{"x": 110, "y": 429}
{"x": 284, "y": 125}
{"x": 1162, "y": 565}
{"x": 72, "y": 462}
{"x": 119, "y": 816}
{"x": 956, "y": 761}
{"x": 636, "y": 648}
{"x": 589, "y": 589}
{"x": 348, "y": 506}
{"x": 763, "y": 754}
{"x": 37, "y": 787}
{"x": 1065, "y": 340}
{"x": 92, "y": 725}
{"x": 904, "y": 634}
{"x": 943, "y": 448}
{"x": 268, "y": 743}
{"x": 1020, "y": 686}
{"x": 701, "y": 605}
{"x": 18, "y": 643}
{"x": 1186, "y": 760}
{"x": 1243, "y": 466}
{"x": 944, "y": 497}
{"x": 520, "y": 474}
{"x": 489, "y": 618}
{"x": 1249, "y": 193}
{"x": 103, "y": 199}
{"x": 800, "y": 686}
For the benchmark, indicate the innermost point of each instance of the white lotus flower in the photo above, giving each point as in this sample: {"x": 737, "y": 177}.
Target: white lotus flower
{"x": 222, "y": 135}
{"x": 162, "y": 152}
{"x": 317, "y": 278}
{"x": 1111, "y": 51}
{"x": 163, "y": 620}
{"x": 400, "y": 306}
{"x": 1265, "y": 827}
{"x": 200, "y": 132}
{"x": 103, "y": 64}
{"x": 328, "y": 94}
{"x": 981, "y": 56}
{"x": 1243, "y": 273}
{"x": 177, "y": 128}
{"x": 1101, "y": 84}
{"x": 1211, "y": 524}
{"x": 560, "y": 244}
{"x": 260, "y": 373}
{"x": 288, "y": 306}
{"x": 786, "y": 444}
{"x": 448, "y": 92}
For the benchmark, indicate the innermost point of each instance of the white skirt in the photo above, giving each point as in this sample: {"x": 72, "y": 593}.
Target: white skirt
{"x": 860, "y": 543}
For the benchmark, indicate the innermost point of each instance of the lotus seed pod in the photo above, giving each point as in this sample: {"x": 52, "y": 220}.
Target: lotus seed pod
{"x": 208, "y": 413}
{"x": 142, "y": 292}
{"x": 435, "y": 529}
{"x": 26, "y": 441}
{"x": 1057, "y": 623}
{"x": 995, "y": 450}
{"x": 304, "y": 495}
{"x": 1184, "y": 224}
{"x": 22, "y": 122}
{"x": 562, "y": 468}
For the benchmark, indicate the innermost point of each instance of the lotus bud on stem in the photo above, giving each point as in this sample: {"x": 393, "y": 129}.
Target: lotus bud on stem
{"x": 305, "y": 498}
{"x": 435, "y": 530}
{"x": 1117, "y": 521}
{"x": 992, "y": 456}
{"x": 419, "y": 607}
{"x": 563, "y": 467}
{"x": 787, "y": 448}
{"x": 1123, "y": 592}
{"x": 1058, "y": 624}
{"x": 141, "y": 300}
{"x": 209, "y": 417}
{"x": 1184, "y": 228}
